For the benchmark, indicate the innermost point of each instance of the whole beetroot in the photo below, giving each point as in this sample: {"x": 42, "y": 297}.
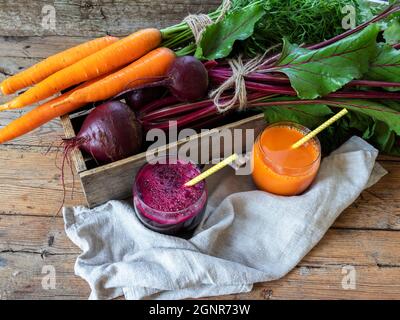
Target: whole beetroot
{"x": 109, "y": 133}
{"x": 187, "y": 80}
{"x": 138, "y": 98}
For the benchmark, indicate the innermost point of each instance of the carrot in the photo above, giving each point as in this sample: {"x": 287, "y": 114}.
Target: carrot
{"x": 47, "y": 67}
{"x": 154, "y": 64}
{"x": 151, "y": 66}
{"x": 106, "y": 60}
{"x": 39, "y": 116}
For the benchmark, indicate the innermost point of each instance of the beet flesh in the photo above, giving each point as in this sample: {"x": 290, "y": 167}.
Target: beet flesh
{"x": 110, "y": 133}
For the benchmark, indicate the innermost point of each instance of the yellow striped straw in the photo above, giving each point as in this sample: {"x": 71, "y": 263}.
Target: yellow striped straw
{"x": 212, "y": 170}
{"x": 322, "y": 127}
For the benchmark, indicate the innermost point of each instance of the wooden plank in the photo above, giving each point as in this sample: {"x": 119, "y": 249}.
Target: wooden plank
{"x": 21, "y": 277}
{"x": 356, "y": 247}
{"x": 95, "y": 17}
{"x": 376, "y": 248}
{"x": 377, "y": 207}
{"x": 367, "y": 247}
{"x": 12, "y": 65}
{"x": 375, "y": 255}
{"x": 26, "y": 49}
{"x": 30, "y": 182}
{"x": 24, "y": 240}
{"x": 310, "y": 283}
{"x": 41, "y": 235}
{"x": 22, "y": 280}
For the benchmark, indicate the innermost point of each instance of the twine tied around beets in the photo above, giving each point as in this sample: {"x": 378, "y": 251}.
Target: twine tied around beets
{"x": 199, "y": 22}
{"x": 236, "y": 81}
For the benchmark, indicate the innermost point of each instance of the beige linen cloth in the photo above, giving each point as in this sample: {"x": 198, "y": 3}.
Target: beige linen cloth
{"x": 246, "y": 237}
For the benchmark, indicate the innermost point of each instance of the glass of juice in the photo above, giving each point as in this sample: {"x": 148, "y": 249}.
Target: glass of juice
{"x": 280, "y": 169}
{"x": 162, "y": 201}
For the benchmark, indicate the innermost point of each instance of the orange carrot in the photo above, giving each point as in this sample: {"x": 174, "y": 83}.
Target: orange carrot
{"x": 106, "y": 60}
{"x": 154, "y": 64}
{"x": 47, "y": 67}
{"x": 39, "y": 116}
{"x": 151, "y": 66}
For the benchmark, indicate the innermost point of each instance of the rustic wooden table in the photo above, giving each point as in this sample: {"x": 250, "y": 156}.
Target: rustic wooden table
{"x": 366, "y": 238}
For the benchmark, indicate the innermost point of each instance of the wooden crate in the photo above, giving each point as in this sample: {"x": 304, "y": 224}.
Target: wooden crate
{"x": 114, "y": 181}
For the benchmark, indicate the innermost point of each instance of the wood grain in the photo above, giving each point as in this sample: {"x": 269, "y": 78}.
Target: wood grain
{"x": 95, "y": 17}
{"x": 23, "y": 51}
{"x": 30, "y": 182}
{"x": 380, "y": 248}
{"x": 21, "y": 277}
{"x": 43, "y": 235}
{"x": 375, "y": 257}
{"x": 325, "y": 283}
{"x": 304, "y": 282}
{"x": 365, "y": 236}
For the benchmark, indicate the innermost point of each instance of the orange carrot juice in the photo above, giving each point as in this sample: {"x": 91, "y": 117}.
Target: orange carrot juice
{"x": 279, "y": 169}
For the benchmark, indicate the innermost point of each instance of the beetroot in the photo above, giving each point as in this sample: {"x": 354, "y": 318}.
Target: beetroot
{"x": 187, "y": 80}
{"x": 136, "y": 99}
{"x": 109, "y": 133}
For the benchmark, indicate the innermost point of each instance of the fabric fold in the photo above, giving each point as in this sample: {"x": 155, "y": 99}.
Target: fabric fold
{"x": 246, "y": 236}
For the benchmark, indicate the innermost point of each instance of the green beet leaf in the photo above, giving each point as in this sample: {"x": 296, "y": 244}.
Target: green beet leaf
{"x": 375, "y": 110}
{"x": 392, "y": 33}
{"x": 392, "y": 104}
{"x": 386, "y": 66}
{"x": 316, "y": 73}
{"x": 218, "y": 39}
{"x": 376, "y": 132}
{"x": 378, "y": 123}
{"x": 310, "y": 116}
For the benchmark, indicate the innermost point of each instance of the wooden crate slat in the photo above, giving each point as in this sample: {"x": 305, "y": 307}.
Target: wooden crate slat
{"x": 114, "y": 181}
{"x": 77, "y": 156}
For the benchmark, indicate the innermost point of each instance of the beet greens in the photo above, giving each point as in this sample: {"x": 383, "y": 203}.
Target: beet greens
{"x": 253, "y": 26}
{"x": 306, "y": 84}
